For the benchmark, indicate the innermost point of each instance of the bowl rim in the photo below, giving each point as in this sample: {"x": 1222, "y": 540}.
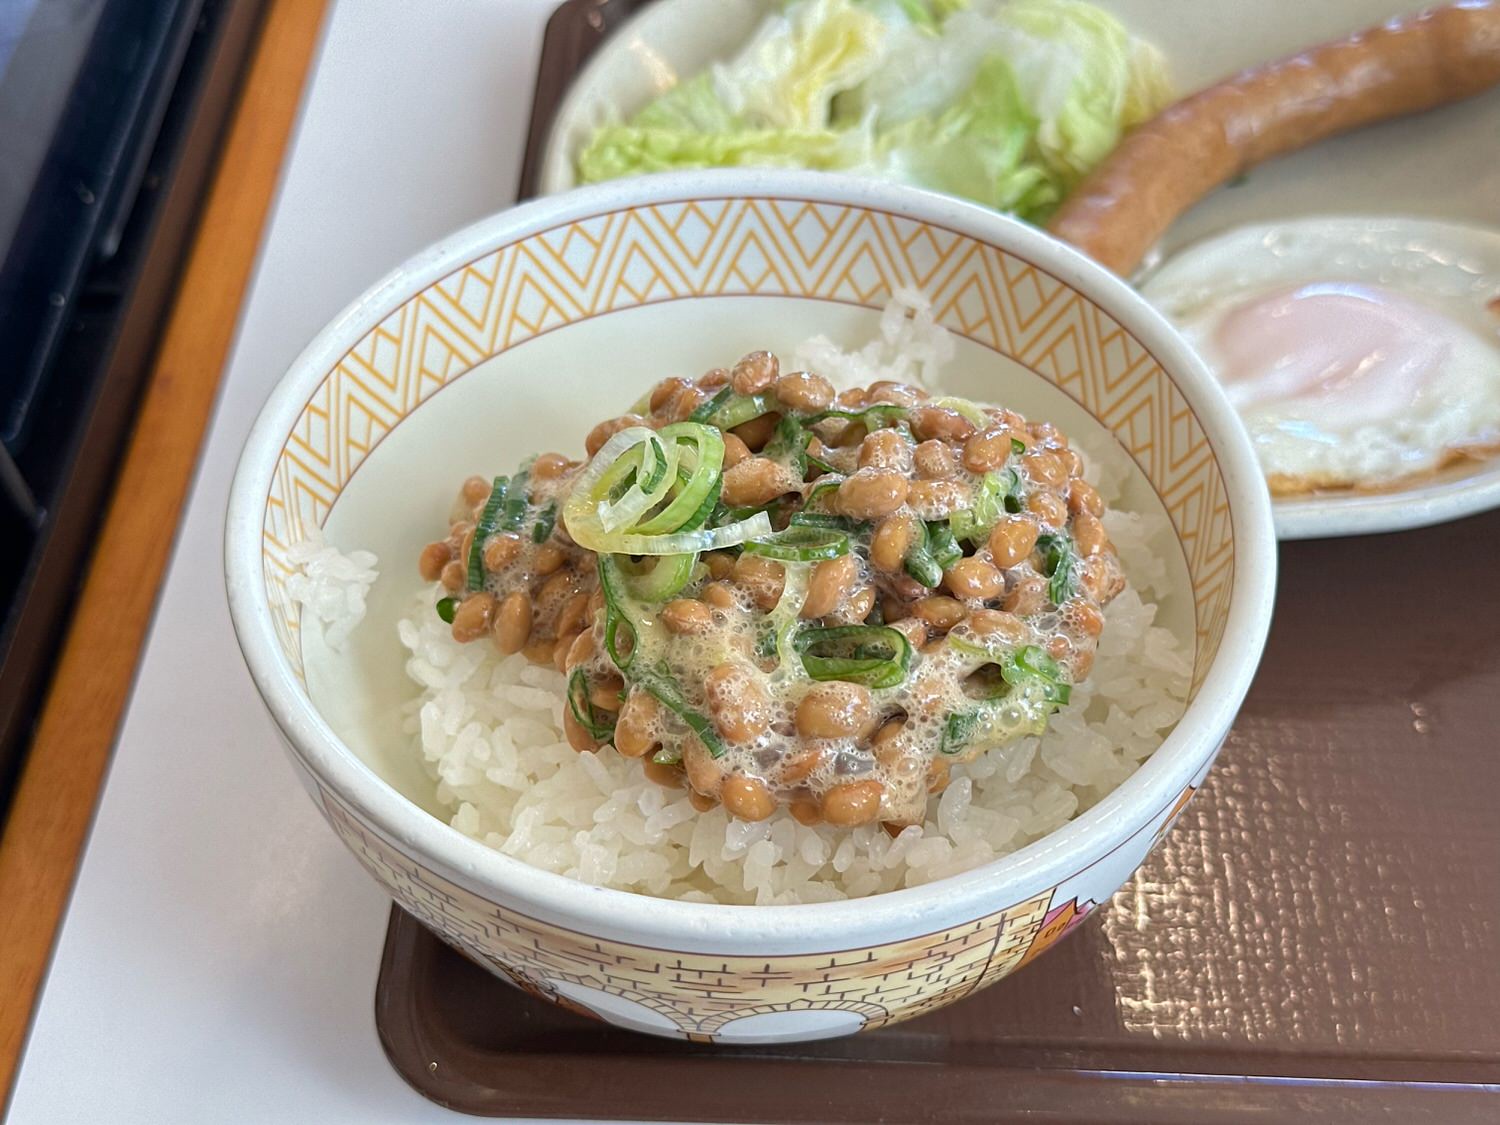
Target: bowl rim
{"x": 499, "y": 878}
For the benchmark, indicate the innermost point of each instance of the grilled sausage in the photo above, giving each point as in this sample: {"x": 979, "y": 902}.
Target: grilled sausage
{"x": 1162, "y": 168}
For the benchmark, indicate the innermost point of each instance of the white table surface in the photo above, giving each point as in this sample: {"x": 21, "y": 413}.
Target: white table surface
{"x": 218, "y": 959}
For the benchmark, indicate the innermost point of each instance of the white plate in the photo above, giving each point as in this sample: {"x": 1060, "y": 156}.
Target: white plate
{"x": 1440, "y": 165}
{"x": 1457, "y": 261}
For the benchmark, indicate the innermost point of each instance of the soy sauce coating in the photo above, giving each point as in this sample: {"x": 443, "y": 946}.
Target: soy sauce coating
{"x": 1008, "y": 608}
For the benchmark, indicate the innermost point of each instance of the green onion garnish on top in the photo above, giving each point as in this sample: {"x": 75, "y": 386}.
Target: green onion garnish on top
{"x": 649, "y": 492}
{"x": 1032, "y": 687}
{"x": 919, "y": 562}
{"x": 873, "y": 655}
{"x": 800, "y": 543}
{"x": 942, "y": 545}
{"x": 972, "y": 524}
{"x": 1060, "y": 564}
{"x": 489, "y": 523}
{"x": 516, "y": 501}
{"x": 599, "y": 723}
{"x": 655, "y": 579}
{"x": 660, "y": 682}
{"x": 1030, "y": 664}
{"x": 707, "y": 410}
{"x": 827, "y": 520}
{"x": 546, "y": 522}
{"x": 726, "y": 410}
{"x": 872, "y": 417}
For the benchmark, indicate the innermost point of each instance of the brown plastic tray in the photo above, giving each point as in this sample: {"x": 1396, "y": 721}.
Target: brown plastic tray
{"x": 1317, "y": 939}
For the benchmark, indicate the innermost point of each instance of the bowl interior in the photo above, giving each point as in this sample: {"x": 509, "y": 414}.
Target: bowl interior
{"x": 519, "y": 334}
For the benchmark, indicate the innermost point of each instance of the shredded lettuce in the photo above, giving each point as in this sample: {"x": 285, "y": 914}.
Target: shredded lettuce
{"x": 1007, "y": 102}
{"x": 790, "y": 71}
{"x": 768, "y": 106}
{"x": 1083, "y": 76}
{"x": 975, "y": 148}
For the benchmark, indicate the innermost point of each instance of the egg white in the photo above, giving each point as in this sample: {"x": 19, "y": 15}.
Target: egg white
{"x": 1409, "y": 307}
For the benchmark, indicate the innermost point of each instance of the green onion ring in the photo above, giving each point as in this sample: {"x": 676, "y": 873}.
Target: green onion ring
{"x": 489, "y": 523}
{"x": 876, "y": 656}
{"x": 800, "y": 543}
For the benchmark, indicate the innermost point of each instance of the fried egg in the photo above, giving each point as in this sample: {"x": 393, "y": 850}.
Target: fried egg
{"x": 1359, "y": 352}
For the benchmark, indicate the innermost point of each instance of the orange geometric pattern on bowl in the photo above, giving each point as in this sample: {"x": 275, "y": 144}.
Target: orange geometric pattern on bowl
{"x": 835, "y": 252}
{"x": 699, "y": 993}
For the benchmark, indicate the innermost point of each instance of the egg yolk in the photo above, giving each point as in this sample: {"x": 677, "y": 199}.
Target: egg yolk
{"x": 1349, "y": 354}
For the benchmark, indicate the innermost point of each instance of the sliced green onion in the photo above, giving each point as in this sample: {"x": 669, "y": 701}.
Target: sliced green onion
{"x": 788, "y": 445}
{"x": 823, "y": 519}
{"x": 659, "y": 582}
{"x": 704, "y": 446}
{"x": 681, "y": 502}
{"x": 785, "y": 618}
{"x": 445, "y": 608}
{"x": 873, "y": 417}
{"x": 668, "y": 756}
{"x": 621, "y": 483}
{"x": 685, "y": 542}
{"x": 942, "y": 545}
{"x": 919, "y": 562}
{"x": 970, "y": 410}
{"x": 818, "y": 463}
{"x": 516, "y": 501}
{"x": 546, "y": 523}
{"x": 973, "y": 523}
{"x": 958, "y": 729}
{"x": 1020, "y": 712}
{"x": 921, "y": 566}
{"x": 584, "y": 711}
{"x": 634, "y": 483}
{"x": 723, "y": 516}
{"x": 612, "y": 585}
{"x": 489, "y": 523}
{"x": 823, "y": 485}
{"x": 1017, "y": 446}
{"x": 1031, "y": 664}
{"x": 708, "y": 409}
{"x": 1014, "y": 500}
{"x": 661, "y": 684}
{"x": 706, "y": 509}
{"x": 729, "y": 411}
{"x": 1032, "y": 686}
{"x": 1060, "y": 564}
{"x": 872, "y": 655}
{"x": 1019, "y": 666}
{"x": 800, "y": 543}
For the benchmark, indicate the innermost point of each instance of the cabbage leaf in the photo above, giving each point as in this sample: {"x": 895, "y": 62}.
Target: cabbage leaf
{"x": 1006, "y": 102}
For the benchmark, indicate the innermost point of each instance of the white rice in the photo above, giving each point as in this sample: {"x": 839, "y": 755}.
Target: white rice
{"x": 911, "y": 347}
{"x": 330, "y": 586}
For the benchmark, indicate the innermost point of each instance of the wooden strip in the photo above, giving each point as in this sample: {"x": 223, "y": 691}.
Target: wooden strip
{"x": 54, "y": 802}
